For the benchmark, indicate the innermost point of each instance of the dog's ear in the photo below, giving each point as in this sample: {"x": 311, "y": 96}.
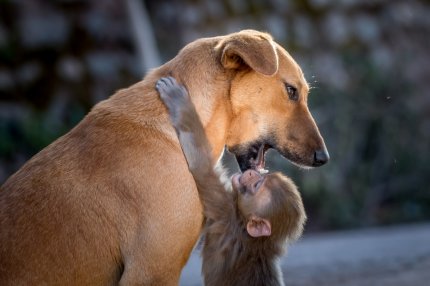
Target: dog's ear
{"x": 255, "y": 49}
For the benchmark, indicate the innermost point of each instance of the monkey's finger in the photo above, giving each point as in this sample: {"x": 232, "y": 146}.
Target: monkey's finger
{"x": 167, "y": 85}
{"x": 164, "y": 87}
{"x": 165, "y": 82}
{"x": 160, "y": 85}
{"x": 172, "y": 81}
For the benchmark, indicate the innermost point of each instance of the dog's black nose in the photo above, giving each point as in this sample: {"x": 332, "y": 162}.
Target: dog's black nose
{"x": 321, "y": 157}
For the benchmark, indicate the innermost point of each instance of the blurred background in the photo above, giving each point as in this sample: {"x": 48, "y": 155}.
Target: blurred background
{"x": 368, "y": 63}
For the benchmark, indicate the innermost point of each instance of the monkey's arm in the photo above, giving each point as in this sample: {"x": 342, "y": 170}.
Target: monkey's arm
{"x": 195, "y": 146}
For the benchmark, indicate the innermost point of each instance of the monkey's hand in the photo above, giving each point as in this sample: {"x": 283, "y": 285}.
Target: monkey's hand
{"x": 196, "y": 148}
{"x": 177, "y": 101}
{"x": 188, "y": 126}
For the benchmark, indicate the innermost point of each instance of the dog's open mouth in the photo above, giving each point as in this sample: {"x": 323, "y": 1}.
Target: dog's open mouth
{"x": 251, "y": 156}
{"x": 260, "y": 161}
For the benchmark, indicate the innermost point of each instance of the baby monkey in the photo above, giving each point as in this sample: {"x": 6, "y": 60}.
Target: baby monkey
{"x": 246, "y": 228}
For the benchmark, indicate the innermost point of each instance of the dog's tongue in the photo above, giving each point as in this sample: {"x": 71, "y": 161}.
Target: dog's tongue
{"x": 260, "y": 160}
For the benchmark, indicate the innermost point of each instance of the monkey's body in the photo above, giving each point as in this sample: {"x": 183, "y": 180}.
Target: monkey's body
{"x": 232, "y": 257}
{"x": 246, "y": 228}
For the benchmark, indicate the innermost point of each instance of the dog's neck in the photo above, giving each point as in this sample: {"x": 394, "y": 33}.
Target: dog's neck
{"x": 208, "y": 84}
{"x": 215, "y": 113}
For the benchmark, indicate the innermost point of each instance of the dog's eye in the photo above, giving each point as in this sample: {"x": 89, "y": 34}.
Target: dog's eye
{"x": 292, "y": 92}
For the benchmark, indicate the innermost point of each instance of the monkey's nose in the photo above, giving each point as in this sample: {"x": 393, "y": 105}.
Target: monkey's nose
{"x": 320, "y": 157}
{"x": 250, "y": 174}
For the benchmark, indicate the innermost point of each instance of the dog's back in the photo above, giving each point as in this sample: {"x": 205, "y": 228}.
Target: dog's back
{"x": 70, "y": 214}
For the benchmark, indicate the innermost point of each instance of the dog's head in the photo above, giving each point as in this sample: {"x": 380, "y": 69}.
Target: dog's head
{"x": 268, "y": 102}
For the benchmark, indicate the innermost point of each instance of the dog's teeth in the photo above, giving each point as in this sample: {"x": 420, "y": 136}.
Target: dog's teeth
{"x": 263, "y": 171}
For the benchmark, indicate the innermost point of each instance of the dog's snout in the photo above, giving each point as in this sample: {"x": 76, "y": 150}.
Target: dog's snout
{"x": 320, "y": 158}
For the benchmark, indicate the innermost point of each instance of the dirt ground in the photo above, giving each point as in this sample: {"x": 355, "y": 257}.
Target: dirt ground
{"x": 395, "y": 256}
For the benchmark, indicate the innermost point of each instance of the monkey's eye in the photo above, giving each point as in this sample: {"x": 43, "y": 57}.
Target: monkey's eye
{"x": 292, "y": 92}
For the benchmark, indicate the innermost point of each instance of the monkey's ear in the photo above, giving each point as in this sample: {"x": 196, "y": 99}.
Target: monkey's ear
{"x": 257, "y": 227}
{"x": 255, "y": 49}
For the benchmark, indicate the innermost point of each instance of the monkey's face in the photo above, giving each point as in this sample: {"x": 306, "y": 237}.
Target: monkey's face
{"x": 253, "y": 196}
{"x": 270, "y": 204}
{"x": 254, "y": 199}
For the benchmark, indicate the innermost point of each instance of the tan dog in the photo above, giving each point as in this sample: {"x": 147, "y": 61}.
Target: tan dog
{"x": 112, "y": 202}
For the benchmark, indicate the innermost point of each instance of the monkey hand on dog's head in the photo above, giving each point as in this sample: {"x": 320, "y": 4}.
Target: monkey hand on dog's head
{"x": 257, "y": 216}
{"x": 187, "y": 124}
{"x": 175, "y": 96}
